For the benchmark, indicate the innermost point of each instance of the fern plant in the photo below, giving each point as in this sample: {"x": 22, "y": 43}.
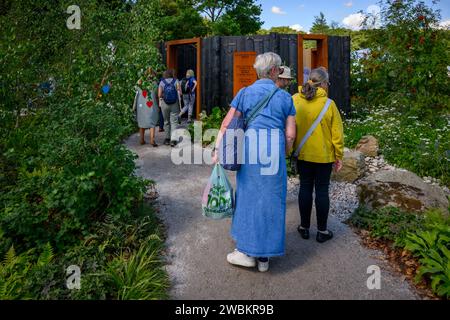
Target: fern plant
{"x": 14, "y": 270}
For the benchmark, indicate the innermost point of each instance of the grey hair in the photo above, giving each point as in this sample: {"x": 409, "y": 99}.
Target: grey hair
{"x": 265, "y": 62}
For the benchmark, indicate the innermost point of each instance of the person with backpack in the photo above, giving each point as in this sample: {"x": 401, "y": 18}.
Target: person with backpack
{"x": 319, "y": 145}
{"x": 188, "y": 86}
{"x": 169, "y": 92}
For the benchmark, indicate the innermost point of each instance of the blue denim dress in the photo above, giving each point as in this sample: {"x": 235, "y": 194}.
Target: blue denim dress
{"x": 258, "y": 224}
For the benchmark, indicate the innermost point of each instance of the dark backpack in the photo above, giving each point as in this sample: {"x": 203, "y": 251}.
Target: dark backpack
{"x": 185, "y": 88}
{"x": 170, "y": 92}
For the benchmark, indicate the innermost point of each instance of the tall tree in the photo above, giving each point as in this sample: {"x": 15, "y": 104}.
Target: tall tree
{"x": 226, "y": 17}
{"x": 320, "y": 24}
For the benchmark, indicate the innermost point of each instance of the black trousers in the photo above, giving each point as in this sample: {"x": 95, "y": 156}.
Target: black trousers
{"x": 314, "y": 176}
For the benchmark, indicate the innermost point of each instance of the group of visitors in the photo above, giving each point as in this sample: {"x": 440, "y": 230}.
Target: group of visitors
{"x": 310, "y": 126}
{"x": 158, "y": 103}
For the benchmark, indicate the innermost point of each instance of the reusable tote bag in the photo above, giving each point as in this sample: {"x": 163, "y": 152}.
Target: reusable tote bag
{"x": 218, "y": 197}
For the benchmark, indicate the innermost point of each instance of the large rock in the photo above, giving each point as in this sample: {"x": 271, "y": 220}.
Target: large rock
{"x": 353, "y": 167}
{"x": 368, "y": 145}
{"x": 401, "y": 189}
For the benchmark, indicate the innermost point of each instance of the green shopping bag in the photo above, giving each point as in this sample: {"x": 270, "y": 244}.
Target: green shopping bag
{"x": 218, "y": 197}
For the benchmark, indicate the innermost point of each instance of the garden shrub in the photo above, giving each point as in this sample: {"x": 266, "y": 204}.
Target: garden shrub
{"x": 406, "y": 60}
{"x": 65, "y": 173}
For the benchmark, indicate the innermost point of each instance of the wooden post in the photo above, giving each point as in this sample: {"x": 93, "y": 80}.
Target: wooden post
{"x": 322, "y": 53}
{"x": 172, "y": 63}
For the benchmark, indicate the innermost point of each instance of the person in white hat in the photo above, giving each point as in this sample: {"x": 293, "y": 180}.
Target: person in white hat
{"x": 284, "y": 79}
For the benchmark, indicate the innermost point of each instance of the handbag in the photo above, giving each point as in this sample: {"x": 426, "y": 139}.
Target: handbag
{"x": 230, "y": 150}
{"x": 294, "y": 155}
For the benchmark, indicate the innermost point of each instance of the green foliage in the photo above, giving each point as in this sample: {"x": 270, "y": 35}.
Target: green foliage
{"x": 178, "y": 19}
{"x": 426, "y": 236}
{"x": 406, "y": 61}
{"x": 320, "y": 25}
{"x": 66, "y": 178}
{"x": 139, "y": 275}
{"x": 412, "y": 142}
{"x": 230, "y": 17}
{"x": 213, "y": 121}
{"x": 15, "y": 271}
{"x": 281, "y": 29}
{"x": 432, "y": 246}
{"x": 387, "y": 223}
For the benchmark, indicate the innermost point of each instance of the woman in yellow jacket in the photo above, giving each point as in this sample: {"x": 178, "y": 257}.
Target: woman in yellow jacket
{"x": 323, "y": 148}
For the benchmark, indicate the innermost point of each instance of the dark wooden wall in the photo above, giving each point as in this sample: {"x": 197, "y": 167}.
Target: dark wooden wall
{"x": 217, "y": 64}
{"x": 339, "y": 71}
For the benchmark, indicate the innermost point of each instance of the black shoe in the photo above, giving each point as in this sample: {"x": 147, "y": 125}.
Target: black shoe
{"x": 322, "y": 237}
{"x": 167, "y": 142}
{"x": 303, "y": 232}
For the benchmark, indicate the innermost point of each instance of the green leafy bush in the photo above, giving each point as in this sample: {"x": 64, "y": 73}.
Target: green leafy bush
{"x": 16, "y": 272}
{"x": 432, "y": 246}
{"x": 65, "y": 176}
{"x": 406, "y": 60}
{"x": 212, "y": 121}
{"x": 410, "y": 142}
{"x": 387, "y": 223}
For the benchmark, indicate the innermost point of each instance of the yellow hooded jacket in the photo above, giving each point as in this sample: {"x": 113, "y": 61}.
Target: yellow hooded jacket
{"x": 326, "y": 144}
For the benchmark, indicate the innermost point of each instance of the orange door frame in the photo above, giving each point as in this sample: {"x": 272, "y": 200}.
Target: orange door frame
{"x": 322, "y": 48}
{"x": 172, "y": 63}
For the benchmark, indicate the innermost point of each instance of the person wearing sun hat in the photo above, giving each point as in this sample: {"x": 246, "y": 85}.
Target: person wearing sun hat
{"x": 284, "y": 79}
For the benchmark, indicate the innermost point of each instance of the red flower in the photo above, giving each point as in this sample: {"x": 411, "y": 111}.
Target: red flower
{"x": 422, "y": 40}
{"x": 421, "y": 18}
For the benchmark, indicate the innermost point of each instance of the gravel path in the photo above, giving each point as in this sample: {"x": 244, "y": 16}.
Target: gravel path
{"x": 197, "y": 247}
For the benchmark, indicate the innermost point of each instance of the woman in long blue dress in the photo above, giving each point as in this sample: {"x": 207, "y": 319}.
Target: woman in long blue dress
{"x": 258, "y": 225}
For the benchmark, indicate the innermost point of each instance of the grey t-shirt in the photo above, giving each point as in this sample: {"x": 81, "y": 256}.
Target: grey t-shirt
{"x": 169, "y": 81}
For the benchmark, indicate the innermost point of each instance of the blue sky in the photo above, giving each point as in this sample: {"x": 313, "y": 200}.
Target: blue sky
{"x": 300, "y": 13}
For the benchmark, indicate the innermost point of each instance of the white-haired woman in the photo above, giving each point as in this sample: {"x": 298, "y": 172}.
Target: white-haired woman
{"x": 258, "y": 225}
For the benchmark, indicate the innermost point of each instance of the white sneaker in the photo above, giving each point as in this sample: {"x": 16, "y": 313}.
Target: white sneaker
{"x": 263, "y": 266}
{"x": 241, "y": 259}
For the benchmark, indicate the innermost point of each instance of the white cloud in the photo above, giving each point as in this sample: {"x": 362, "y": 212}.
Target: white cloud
{"x": 301, "y": 6}
{"x": 348, "y": 4}
{"x": 354, "y": 21}
{"x": 445, "y": 24}
{"x": 296, "y": 27}
{"x": 277, "y": 10}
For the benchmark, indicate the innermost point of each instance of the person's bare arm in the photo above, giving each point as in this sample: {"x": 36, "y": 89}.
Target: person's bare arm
{"x": 291, "y": 129}
{"x": 160, "y": 93}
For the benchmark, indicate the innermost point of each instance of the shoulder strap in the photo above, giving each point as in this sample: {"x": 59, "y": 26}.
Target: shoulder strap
{"x": 165, "y": 82}
{"x": 173, "y": 81}
{"x": 313, "y": 127}
{"x": 260, "y": 106}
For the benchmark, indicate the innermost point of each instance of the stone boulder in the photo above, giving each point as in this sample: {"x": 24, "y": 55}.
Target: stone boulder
{"x": 353, "y": 167}
{"x": 401, "y": 189}
{"x": 368, "y": 145}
